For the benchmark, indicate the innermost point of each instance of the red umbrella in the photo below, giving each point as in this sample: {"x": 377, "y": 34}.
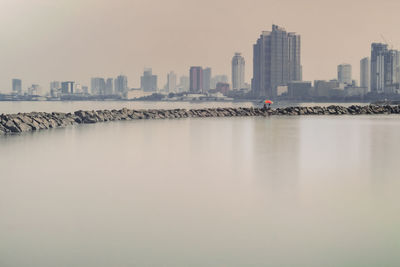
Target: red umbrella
{"x": 268, "y": 102}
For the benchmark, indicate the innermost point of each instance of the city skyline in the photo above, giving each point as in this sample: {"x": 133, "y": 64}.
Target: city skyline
{"x": 204, "y": 45}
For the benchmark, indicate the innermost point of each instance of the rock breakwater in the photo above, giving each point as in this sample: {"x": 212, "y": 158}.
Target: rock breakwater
{"x": 34, "y": 121}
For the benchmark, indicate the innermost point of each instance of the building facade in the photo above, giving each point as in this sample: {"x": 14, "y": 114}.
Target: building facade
{"x": 344, "y": 74}
{"x": 67, "y": 87}
{"x": 206, "y": 79}
{"x": 17, "y": 86}
{"x": 223, "y": 88}
{"x": 196, "y": 80}
{"x": 121, "y": 84}
{"x": 378, "y": 52}
{"x": 184, "y": 84}
{"x": 364, "y": 73}
{"x": 98, "y": 86}
{"x": 385, "y": 69}
{"x": 299, "y": 90}
{"x": 218, "y": 79}
{"x": 148, "y": 82}
{"x": 238, "y": 72}
{"x": 276, "y": 61}
{"x": 109, "y": 90}
{"x": 171, "y": 82}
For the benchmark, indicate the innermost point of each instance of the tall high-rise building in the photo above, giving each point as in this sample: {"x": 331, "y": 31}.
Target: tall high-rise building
{"x": 55, "y": 88}
{"x": 17, "y": 86}
{"x": 98, "y": 86}
{"x": 121, "y": 84}
{"x": 392, "y": 66}
{"x": 378, "y": 52}
{"x": 238, "y": 68}
{"x": 295, "y": 68}
{"x": 206, "y": 79}
{"x": 148, "y": 82}
{"x": 109, "y": 90}
{"x": 276, "y": 61}
{"x": 171, "y": 82}
{"x": 364, "y": 73}
{"x": 344, "y": 74}
{"x": 184, "y": 83}
{"x": 196, "y": 79}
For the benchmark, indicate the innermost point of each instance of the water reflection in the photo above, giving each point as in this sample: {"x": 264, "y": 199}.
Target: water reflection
{"x": 278, "y": 191}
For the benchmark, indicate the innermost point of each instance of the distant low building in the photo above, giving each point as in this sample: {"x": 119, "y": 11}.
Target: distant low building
{"x": 218, "y": 79}
{"x": 356, "y": 91}
{"x": 223, "y": 88}
{"x": 85, "y": 90}
{"x": 137, "y": 93}
{"x": 34, "y": 90}
{"x": 281, "y": 90}
{"x": 322, "y": 88}
{"x": 298, "y": 89}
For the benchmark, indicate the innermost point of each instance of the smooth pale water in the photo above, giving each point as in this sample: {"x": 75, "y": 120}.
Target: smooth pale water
{"x": 276, "y": 191}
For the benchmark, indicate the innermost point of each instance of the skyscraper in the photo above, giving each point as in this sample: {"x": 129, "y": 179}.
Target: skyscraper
{"x": 121, "y": 84}
{"x": 295, "y": 68}
{"x": 276, "y": 61}
{"x": 55, "y": 88}
{"x": 378, "y": 52}
{"x": 98, "y": 86}
{"x": 392, "y": 66}
{"x": 171, "y": 82}
{"x": 364, "y": 73}
{"x": 196, "y": 79}
{"x": 109, "y": 90}
{"x": 344, "y": 74}
{"x": 238, "y": 68}
{"x": 206, "y": 79}
{"x": 148, "y": 82}
{"x": 17, "y": 86}
{"x": 184, "y": 82}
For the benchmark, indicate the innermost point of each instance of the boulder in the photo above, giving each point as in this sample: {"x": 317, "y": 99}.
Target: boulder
{"x": 10, "y": 125}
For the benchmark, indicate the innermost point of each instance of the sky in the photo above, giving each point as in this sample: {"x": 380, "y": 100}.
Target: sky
{"x": 46, "y": 40}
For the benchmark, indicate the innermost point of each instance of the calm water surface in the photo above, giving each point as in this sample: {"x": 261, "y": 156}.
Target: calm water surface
{"x": 279, "y": 191}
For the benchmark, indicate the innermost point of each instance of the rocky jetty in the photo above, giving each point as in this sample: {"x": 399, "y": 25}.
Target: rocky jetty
{"x": 25, "y": 122}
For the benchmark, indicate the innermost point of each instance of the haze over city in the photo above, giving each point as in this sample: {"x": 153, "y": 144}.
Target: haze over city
{"x": 75, "y": 40}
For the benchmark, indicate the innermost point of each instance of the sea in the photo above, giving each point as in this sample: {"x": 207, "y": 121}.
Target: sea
{"x": 279, "y": 191}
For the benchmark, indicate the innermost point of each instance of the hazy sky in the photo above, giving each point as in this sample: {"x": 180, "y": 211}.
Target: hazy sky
{"x": 44, "y": 40}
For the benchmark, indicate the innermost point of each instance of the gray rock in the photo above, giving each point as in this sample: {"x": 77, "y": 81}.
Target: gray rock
{"x": 10, "y": 125}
